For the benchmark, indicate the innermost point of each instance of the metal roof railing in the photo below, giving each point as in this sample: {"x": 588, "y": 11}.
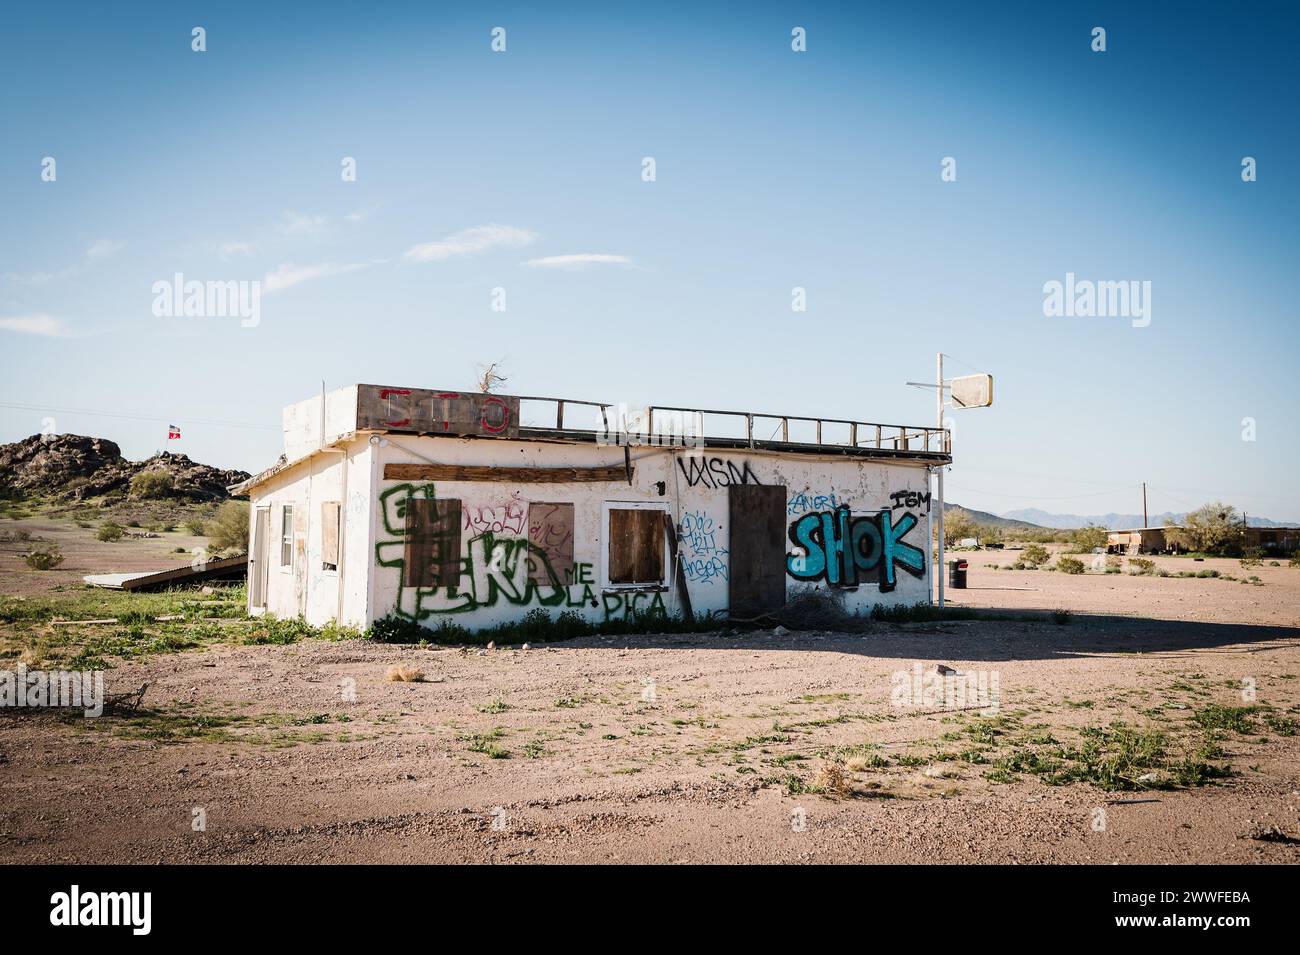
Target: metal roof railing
{"x": 667, "y": 424}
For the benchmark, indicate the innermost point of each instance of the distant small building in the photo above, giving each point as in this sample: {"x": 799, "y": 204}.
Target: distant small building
{"x": 1274, "y": 540}
{"x": 1145, "y": 540}
{"x": 436, "y": 505}
{"x": 1173, "y": 540}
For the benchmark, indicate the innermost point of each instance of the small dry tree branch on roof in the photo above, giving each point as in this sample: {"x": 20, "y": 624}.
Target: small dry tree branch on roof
{"x": 488, "y": 377}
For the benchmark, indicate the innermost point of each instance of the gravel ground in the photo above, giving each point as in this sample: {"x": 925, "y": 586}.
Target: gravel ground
{"x": 699, "y": 748}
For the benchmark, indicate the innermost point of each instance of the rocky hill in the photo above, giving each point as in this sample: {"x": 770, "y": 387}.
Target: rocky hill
{"x": 75, "y": 467}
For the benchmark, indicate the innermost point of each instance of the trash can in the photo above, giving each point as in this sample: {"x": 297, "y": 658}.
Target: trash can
{"x": 957, "y": 574}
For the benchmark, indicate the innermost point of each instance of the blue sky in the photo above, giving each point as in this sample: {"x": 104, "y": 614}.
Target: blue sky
{"x": 774, "y": 169}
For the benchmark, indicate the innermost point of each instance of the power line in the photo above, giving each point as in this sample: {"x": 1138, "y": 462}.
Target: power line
{"x": 1037, "y": 497}
{"x": 138, "y": 417}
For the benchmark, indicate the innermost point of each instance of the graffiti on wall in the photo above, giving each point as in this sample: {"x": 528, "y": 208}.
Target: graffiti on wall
{"x": 495, "y": 519}
{"x": 845, "y": 549}
{"x": 527, "y": 563}
{"x": 802, "y": 502}
{"x": 715, "y": 472}
{"x": 550, "y": 528}
{"x": 492, "y": 568}
{"x": 703, "y": 561}
{"x": 912, "y": 500}
{"x": 492, "y": 571}
{"x": 630, "y": 605}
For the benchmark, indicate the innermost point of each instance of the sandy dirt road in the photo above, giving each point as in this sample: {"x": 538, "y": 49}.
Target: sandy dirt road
{"x": 697, "y": 748}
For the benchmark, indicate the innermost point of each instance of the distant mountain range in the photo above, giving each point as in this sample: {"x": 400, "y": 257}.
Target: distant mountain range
{"x": 992, "y": 520}
{"x": 1032, "y": 515}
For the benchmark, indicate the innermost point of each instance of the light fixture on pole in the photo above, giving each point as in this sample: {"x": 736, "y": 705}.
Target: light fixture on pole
{"x": 968, "y": 391}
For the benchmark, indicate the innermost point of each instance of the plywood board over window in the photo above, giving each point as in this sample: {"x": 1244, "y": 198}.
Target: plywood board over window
{"x": 432, "y": 552}
{"x": 636, "y": 545}
{"x": 329, "y": 543}
{"x": 550, "y": 540}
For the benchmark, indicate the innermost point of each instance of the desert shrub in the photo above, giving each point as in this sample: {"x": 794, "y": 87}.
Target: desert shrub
{"x": 228, "y": 531}
{"x": 1114, "y": 563}
{"x": 151, "y": 485}
{"x": 44, "y": 558}
{"x": 196, "y": 527}
{"x": 1213, "y": 528}
{"x": 920, "y": 613}
{"x": 1140, "y": 565}
{"x": 1090, "y": 537}
{"x": 1252, "y": 557}
{"x": 1035, "y": 554}
{"x": 1069, "y": 565}
{"x": 536, "y": 626}
{"x": 957, "y": 524}
{"x": 274, "y": 631}
{"x": 814, "y": 608}
{"x": 110, "y": 531}
{"x": 1295, "y": 560}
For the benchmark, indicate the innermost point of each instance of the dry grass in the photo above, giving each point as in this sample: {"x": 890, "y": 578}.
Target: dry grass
{"x": 404, "y": 674}
{"x": 833, "y": 780}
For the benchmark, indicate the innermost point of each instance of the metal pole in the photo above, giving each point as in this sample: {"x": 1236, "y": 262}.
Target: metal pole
{"x": 939, "y": 404}
{"x": 1145, "y": 521}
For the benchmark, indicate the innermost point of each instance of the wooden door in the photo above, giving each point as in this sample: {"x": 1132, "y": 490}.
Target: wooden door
{"x": 756, "y": 529}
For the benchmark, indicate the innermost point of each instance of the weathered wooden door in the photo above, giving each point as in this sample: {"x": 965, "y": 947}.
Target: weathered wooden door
{"x": 756, "y": 529}
{"x": 258, "y": 562}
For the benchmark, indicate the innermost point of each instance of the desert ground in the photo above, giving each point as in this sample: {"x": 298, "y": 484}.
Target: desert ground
{"x": 1137, "y": 719}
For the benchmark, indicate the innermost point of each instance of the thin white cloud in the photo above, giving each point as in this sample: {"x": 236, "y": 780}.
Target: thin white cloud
{"x": 472, "y": 241}
{"x": 40, "y": 278}
{"x": 35, "y": 324}
{"x": 228, "y": 249}
{"x": 95, "y": 252}
{"x": 289, "y": 275}
{"x": 103, "y": 249}
{"x": 579, "y": 260}
{"x": 294, "y": 224}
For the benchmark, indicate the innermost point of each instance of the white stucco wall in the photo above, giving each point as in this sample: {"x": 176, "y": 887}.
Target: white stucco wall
{"x": 303, "y": 587}
{"x": 494, "y": 586}
{"x": 694, "y": 491}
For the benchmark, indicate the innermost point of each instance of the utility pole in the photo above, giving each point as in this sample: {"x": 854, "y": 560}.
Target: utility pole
{"x": 939, "y": 423}
{"x": 1144, "y": 505}
{"x": 977, "y": 392}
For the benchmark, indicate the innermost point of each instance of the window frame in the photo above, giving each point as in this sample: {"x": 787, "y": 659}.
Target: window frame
{"x": 605, "y": 583}
{"x": 286, "y": 537}
{"x": 333, "y": 568}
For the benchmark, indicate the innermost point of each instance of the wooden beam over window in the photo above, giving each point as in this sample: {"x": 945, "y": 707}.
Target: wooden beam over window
{"x": 472, "y": 472}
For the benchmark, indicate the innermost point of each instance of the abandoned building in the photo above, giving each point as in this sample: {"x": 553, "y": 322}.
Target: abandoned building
{"x": 439, "y": 505}
{"x": 1145, "y": 540}
{"x": 1173, "y": 540}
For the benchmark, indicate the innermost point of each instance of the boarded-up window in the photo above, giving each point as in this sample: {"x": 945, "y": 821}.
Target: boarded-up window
{"x": 550, "y": 543}
{"x": 432, "y": 556}
{"x": 329, "y": 535}
{"x": 286, "y": 535}
{"x": 636, "y": 545}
